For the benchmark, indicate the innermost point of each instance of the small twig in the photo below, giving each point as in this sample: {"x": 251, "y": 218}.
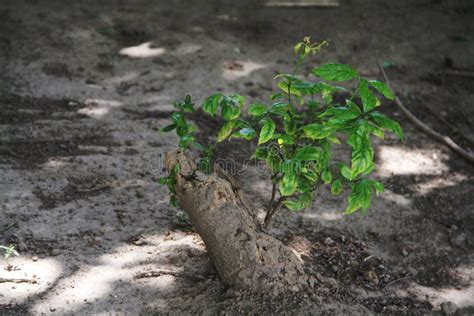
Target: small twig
{"x": 155, "y": 274}
{"x": 425, "y": 128}
{"x": 13, "y": 280}
{"x": 270, "y": 213}
{"x": 453, "y": 128}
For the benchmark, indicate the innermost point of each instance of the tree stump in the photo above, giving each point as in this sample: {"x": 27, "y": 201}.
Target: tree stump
{"x": 244, "y": 254}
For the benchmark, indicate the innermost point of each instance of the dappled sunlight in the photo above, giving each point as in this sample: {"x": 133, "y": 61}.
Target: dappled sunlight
{"x": 97, "y": 108}
{"x": 238, "y": 69}
{"x": 324, "y": 216}
{"x": 403, "y": 161}
{"x": 43, "y": 272}
{"x": 111, "y": 273}
{"x": 428, "y": 186}
{"x": 144, "y": 50}
{"x": 461, "y": 296}
{"x": 396, "y": 198}
{"x": 54, "y": 163}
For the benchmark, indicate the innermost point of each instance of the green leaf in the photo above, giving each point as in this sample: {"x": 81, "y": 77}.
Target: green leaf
{"x": 384, "y": 122}
{"x": 230, "y": 112}
{"x": 288, "y": 89}
{"x": 273, "y": 160}
{"x": 257, "y": 109}
{"x": 362, "y": 152}
{"x": 382, "y": 88}
{"x": 168, "y": 128}
{"x": 235, "y": 99}
{"x": 308, "y": 153}
{"x": 225, "y": 131}
{"x": 369, "y": 101}
{"x": 359, "y": 197}
{"x": 302, "y": 202}
{"x": 317, "y": 131}
{"x": 267, "y": 131}
{"x": 343, "y": 114}
{"x": 334, "y": 139}
{"x": 178, "y": 118}
{"x": 379, "y": 188}
{"x": 326, "y": 176}
{"x": 335, "y": 72}
{"x": 377, "y": 132}
{"x": 346, "y": 172}
{"x": 186, "y": 105}
{"x": 174, "y": 201}
{"x": 211, "y": 104}
{"x": 247, "y": 133}
{"x": 336, "y": 187}
{"x": 185, "y": 141}
{"x": 276, "y": 96}
{"x": 288, "y": 184}
{"x": 260, "y": 153}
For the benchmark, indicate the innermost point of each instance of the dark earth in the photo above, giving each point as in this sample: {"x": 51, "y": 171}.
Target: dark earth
{"x": 85, "y": 87}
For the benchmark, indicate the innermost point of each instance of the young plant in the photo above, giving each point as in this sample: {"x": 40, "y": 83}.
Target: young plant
{"x": 297, "y": 130}
{"x": 9, "y": 251}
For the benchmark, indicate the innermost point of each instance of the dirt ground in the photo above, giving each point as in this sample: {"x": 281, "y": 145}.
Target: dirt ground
{"x": 84, "y": 88}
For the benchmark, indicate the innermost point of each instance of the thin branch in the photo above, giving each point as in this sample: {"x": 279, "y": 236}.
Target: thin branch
{"x": 269, "y": 215}
{"x": 272, "y": 198}
{"x": 13, "y": 280}
{"x": 453, "y": 128}
{"x": 426, "y": 129}
{"x": 155, "y": 274}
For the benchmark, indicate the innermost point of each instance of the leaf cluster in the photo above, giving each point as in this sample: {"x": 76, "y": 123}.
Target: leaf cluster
{"x": 298, "y": 128}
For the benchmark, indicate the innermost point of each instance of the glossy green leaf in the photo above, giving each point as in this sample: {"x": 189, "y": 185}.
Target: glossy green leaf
{"x": 257, "y": 109}
{"x": 308, "y": 153}
{"x": 225, "y": 131}
{"x": 317, "y": 131}
{"x": 359, "y": 197}
{"x": 260, "y": 153}
{"x": 326, "y": 176}
{"x": 267, "y": 131}
{"x": 178, "y": 118}
{"x": 362, "y": 152}
{"x": 288, "y": 89}
{"x": 369, "y": 101}
{"x": 384, "y": 122}
{"x": 288, "y": 184}
{"x": 185, "y": 141}
{"x": 303, "y": 201}
{"x": 335, "y": 72}
{"x": 230, "y": 112}
{"x": 168, "y": 128}
{"x": 336, "y": 187}
{"x": 382, "y": 88}
{"x": 346, "y": 172}
{"x": 182, "y": 129}
{"x": 211, "y": 104}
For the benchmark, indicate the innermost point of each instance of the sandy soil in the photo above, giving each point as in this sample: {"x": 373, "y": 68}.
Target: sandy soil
{"x": 84, "y": 87}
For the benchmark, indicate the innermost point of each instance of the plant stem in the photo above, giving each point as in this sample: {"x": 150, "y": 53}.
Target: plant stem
{"x": 272, "y": 211}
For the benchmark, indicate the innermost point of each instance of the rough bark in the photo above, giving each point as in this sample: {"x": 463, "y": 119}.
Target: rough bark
{"x": 244, "y": 254}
